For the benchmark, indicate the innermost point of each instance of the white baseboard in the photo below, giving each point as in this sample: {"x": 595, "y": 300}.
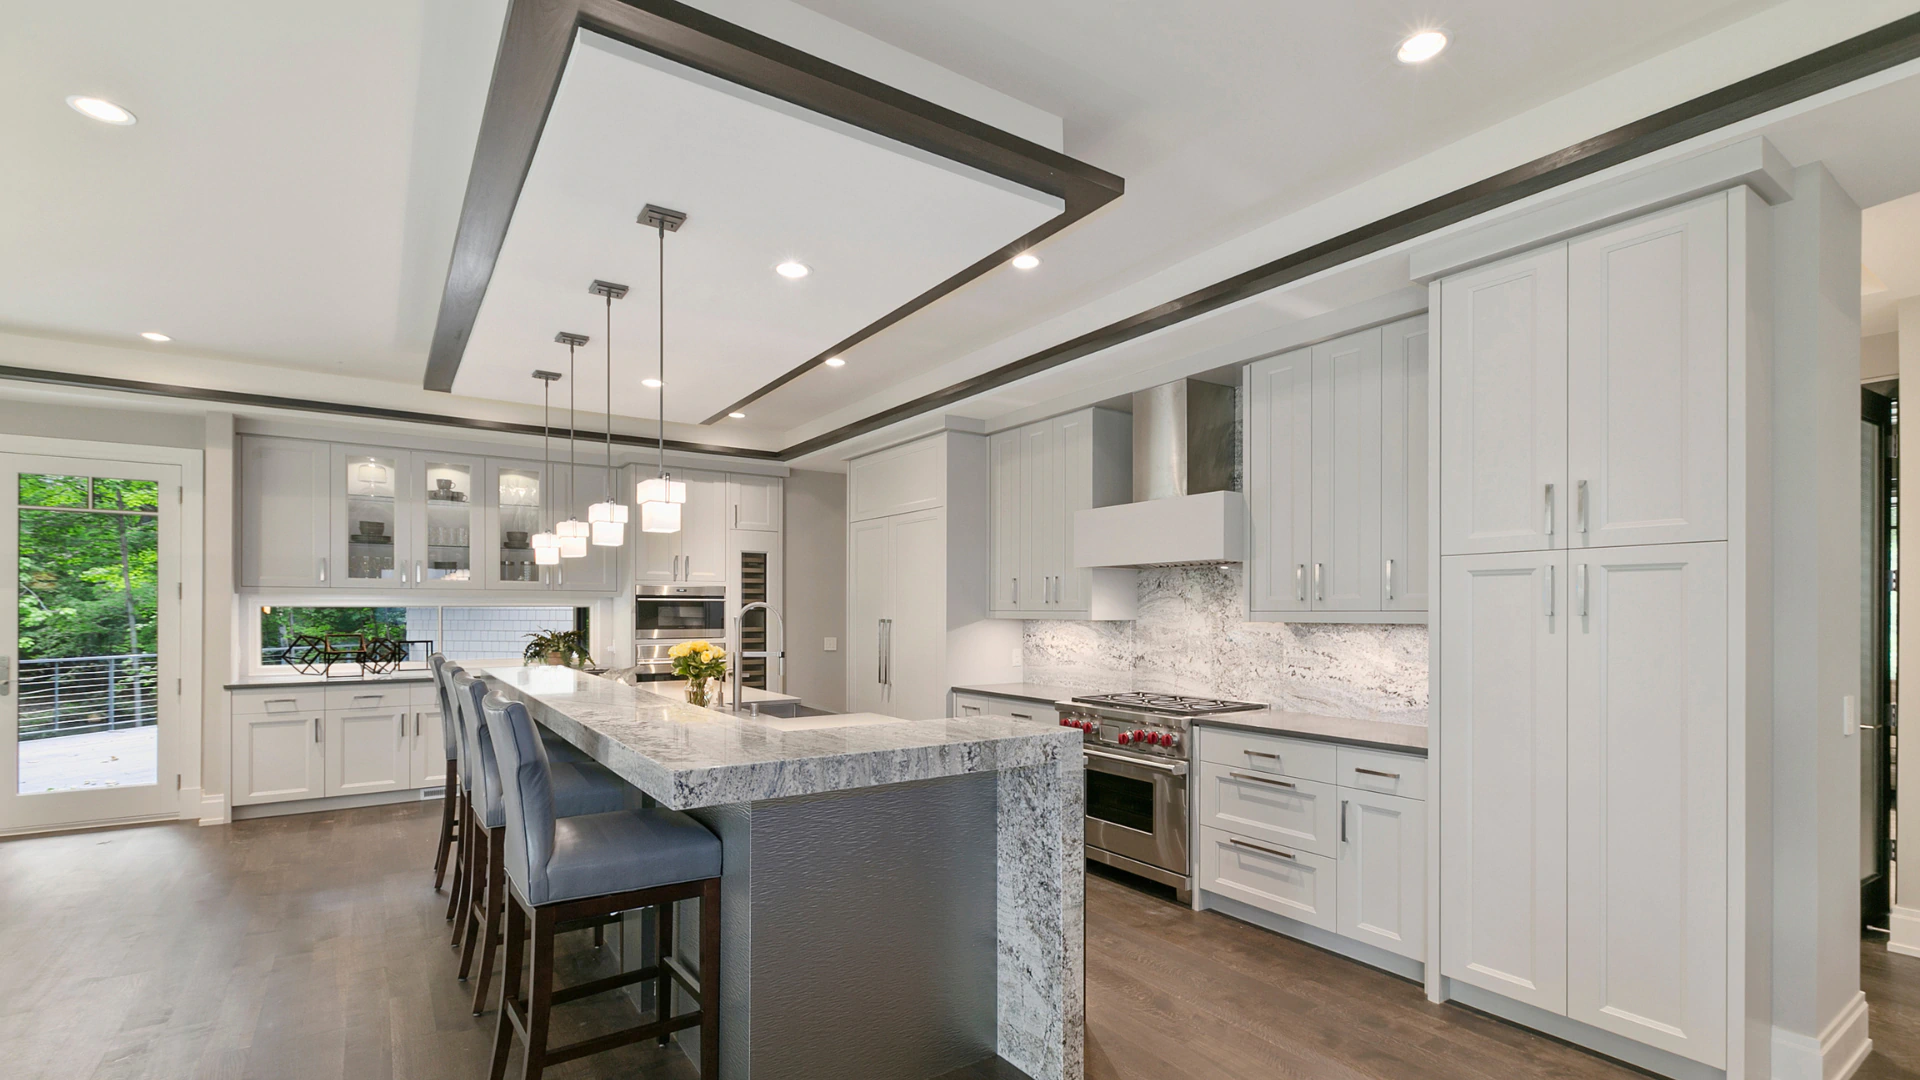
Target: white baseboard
{"x": 1836, "y": 1055}
{"x": 319, "y": 806}
{"x": 213, "y": 809}
{"x": 1904, "y": 922}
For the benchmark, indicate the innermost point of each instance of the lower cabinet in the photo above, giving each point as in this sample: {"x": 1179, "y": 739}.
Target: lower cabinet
{"x": 1345, "y": 857}
{"x": 316, "y": 742}
{"x": 990, "y": 705}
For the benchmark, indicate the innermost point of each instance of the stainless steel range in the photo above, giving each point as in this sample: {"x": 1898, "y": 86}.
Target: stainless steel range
{"x": 1137, "y": 765}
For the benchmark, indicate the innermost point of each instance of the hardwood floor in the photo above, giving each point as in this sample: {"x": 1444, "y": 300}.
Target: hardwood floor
{"x": 311, "y": 947}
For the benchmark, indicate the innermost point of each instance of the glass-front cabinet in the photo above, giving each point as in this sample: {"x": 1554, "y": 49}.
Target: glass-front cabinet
{"x": 371, "y": 541}
{"x": 516, "y": 511}
{"x": 450, "y": 530}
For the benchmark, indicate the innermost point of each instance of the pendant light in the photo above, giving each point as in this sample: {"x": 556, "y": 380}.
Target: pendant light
{"x": 608, "y": 519}
{"x": 572, "y": 532}
{"x": 546, "y": 545}
{"x": 660, "y": 496}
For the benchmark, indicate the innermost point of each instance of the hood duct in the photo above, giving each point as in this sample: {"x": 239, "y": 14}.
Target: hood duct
{"x": 1185, "y": 509}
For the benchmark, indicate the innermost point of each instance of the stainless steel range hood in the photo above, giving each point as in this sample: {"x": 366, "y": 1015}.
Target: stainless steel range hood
{"x": 1184, "y": 508}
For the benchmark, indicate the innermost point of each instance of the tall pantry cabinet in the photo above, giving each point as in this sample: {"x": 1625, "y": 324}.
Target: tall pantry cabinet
{"x": 1587, "y": 613}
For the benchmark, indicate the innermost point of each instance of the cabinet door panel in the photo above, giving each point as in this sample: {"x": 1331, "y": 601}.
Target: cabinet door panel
{"x": 917, "y": 617}
{"x": 1503, "y": 737}
{"x": 869, "y": 572}
{"x": 1646, "y": 795}
{"x": 1072, "y": 492}
{"x": 1038, "y": 477}
{"x": 284, "y": 507}
{"x": 519, "y": 505}
{"x": 575, "y": 490}
{"x": 1008, "y": 536}
{"x": 276, "y": 757}
{"x": 429, "y": 749}
{"x": 448, "y": 530}
{"x": 1296, "y": 884}
{"x": 368, "y": 751}
{"x": 1647, "y": 380}
{"x": 373, "y": 511}
{"x": 1280, "y": 480}
{"x": 1382, "y": 892}
{"x": 1298, "y": 814}
{"x": 1347, "y": 568}
{"x": 703, "y": 528}
{"x": 1503, "y": 406}
{"x": 1404, "y": 516}
{"x": 753, "y": 502}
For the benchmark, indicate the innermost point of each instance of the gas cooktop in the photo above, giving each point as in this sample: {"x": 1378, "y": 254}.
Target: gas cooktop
{"x": 1167, "y": 704}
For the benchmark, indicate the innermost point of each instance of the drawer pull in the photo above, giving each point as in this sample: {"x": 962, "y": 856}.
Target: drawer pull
{"x": 1261, "y": 753}
{"x": 1376, "y": 772}
{"x": 1263, "y": 780}
{"x": 368, "y": 697}
{"x": 1237, "y": 842}
{"x": 280, "y": 704}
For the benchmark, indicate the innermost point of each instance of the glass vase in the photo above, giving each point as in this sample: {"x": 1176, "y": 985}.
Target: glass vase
{"x": 697, "y": 692}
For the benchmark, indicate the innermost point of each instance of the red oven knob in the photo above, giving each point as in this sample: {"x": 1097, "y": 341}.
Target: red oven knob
{"x": 1126, "y": 737}
{"x": 1172, "y": 740}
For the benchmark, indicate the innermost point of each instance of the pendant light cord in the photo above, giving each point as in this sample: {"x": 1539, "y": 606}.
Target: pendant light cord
{"x": 546, "y": 446}
{"x": 663, "y": 348}
{"x": 609, "y": 340}
{"x": 573, "y": 428}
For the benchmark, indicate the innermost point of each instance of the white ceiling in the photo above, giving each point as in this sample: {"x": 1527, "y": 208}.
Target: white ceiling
{"x": 762, "y": 183}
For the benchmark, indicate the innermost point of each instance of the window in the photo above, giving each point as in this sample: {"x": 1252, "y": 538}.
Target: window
{"x": 462, "y": 633}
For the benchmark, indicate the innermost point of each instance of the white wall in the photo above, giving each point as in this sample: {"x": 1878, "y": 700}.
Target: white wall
{"x": 1906, "y": 913}
{"x": 1816, "y": 595}
{"x": 815, "y": 606}
{"x": 1880, "y": 356}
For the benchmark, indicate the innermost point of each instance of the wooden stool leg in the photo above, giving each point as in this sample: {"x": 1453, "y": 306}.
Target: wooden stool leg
{"x": 460, "y": 849}
{"x": 710, "y": 979}
{"x": 489, "y": 922}
{"x": 509, "y": 986}
{"x": 472, "y": 851}
{"x": 477, "y": 872}
{"x": 662, "y": 948}
{"x": 446, "y": 833}
{"x": 540, "y": 994}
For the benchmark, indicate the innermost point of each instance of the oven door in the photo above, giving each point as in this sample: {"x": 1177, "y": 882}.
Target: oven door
{"x": 1137, "y": 809}
{"x": 661, "y": 618}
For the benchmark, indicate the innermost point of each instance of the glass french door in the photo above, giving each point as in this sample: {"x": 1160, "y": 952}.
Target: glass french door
{"x": 89, "y": 646}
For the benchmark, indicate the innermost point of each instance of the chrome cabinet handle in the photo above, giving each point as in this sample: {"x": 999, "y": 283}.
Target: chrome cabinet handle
{"x": 271, "y": 702}
{"x": 1263, "y": 780}
{"x": 1299, "y": 582}
{"x": 1580, "y": 501}
{"x": 688, "y": 568}
{"x": 403, "y": 728}
{"x": 323, "y": 569}
{"x": 1389, "y": 579}
{"x": 1343, "y": 820}
{"x": 889, "y": 654}
{"x": 368, "y": 697}
{"x": 1549, "y": 509}
{"x": 1237, "y": 842}
{"x": 401, "y": 565}
{"x": 1261, "y": 753}
{"x": 6, "y": 675}
{"x": 1580, "y": 591}
{"x": 416, "y": 725}
{"x": 1319, "y": 590}
{"x": 316, "y": 729}
{"x": 1016, "y": 590}
{"x": 418, "y": 577}
{"x": 1376, "y": 772}
{"x": 1548, "y": 580}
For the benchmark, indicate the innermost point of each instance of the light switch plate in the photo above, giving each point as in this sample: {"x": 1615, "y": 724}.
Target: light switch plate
{"x": 833, "y": 644}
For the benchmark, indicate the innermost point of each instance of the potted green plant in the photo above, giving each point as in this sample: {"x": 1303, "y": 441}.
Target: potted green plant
{"x": 555, "y": 647}
{"x": 697, "y": 662}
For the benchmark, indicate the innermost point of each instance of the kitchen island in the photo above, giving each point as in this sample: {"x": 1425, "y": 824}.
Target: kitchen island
{"x": 899, "y": 898}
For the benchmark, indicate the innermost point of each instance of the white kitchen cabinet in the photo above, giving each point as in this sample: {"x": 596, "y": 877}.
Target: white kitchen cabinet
{"x": 1405, "y": 510}
{"x": 1647, "y": 796}
{"x": 278, "y": 747}
{"x": 1380, "y": 895}
{"x": 429, "y": 747}
{"x": 992, "y": 705}
{"x": 753, "y": 502}
{"x": 519, "y": 505}
{"x": 1503, "y": 807}
{"x": 574, "y": 490}
{"x": 1647, "y": 380}
{"x": 869, "y": 595}
{"x": 284, "y": 507}
{"x": 372, "y": 516}
{"x": 1041, "y": 475}
{"x": 1279, "y": 408}
{"x": 1503, "y": 406}
{"x": 697, "y": 554}
{"x": 447, "y": 523}
{"x": 896, "y": 632}
{"x": 1296, "y": 813}
{"x": 1296, "y": 884}
{"x": 1337, "y": 492}
{"x": 368, "y": 750}
{"x": 1347, "y": 564}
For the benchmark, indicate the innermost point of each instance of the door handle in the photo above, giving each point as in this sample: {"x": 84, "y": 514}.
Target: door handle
{"x": 403, "y": 729}
{"x": 688, "y": 567}
{"x": 418, "y": 577}
{"x": 316, "y": 729}
{"x": 1300, "y": 582}
{"x": 1580, "y": 502}
{"x": 1319, "y": 589}
{"x": 1016, "y": 590}
{"x": 1343, "y": 820}
{"x": 1389, "y": 579}
{"x": 416, "y": 725}
{"x": 889, "y": 654}
{"x": 1548, "y": 580}
{"x": 1549, "y": 529}
{"x": 6, "y": 675}
{"x": 1580, "y": 591}
{"x": 401, "y": 565}
{"x": 323, "y": 569}
{"x": 880, "y": 652}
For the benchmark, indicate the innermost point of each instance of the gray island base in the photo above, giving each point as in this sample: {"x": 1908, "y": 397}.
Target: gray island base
{"x": 898, "y": 899}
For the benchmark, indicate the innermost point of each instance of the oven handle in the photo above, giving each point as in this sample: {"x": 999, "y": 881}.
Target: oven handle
{"x": 1173, "y": 768}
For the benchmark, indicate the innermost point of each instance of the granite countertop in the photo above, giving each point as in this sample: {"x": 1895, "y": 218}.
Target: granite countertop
{"x": 1038, "y": 693}
{"x": 1408, "y": 735}
{"x": 686, "y": 756}
{"x": 269, "y": 682}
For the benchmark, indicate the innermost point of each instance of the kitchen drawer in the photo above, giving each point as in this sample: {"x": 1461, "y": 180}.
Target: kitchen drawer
{"x": 1254, "y": 752}
{"x": 391, "y": 698}
{"x": 425, "y": 695}
{"x": 302, "y": 701}
{"x": 1271, "y": 877}
{"x": 989, "y": 705}
{"x": 1296, "y": 814}
{"x": 1383, "y": 773}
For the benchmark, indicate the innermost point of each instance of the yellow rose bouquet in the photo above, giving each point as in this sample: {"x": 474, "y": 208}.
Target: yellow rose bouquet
{"x": 697, "y": 662}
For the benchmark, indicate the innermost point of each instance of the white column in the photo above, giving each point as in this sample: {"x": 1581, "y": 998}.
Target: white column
{"x": 1906, "y": 912}
{"x": 220, "y": 615}
{"x": 1819, "y": 1015}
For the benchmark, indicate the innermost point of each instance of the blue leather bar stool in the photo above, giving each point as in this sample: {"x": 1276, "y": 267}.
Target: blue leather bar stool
{"x": 561, "y": 869}
{"x": 578, "y": 789}
{"x": 450, "y": 806}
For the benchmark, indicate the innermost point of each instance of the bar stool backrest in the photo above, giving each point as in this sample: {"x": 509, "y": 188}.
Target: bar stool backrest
{"x": 527, "y": 788}
{"x": 485, "y": 789}
{"x": 449, "y": 722}
{"x": 458, "y": 736}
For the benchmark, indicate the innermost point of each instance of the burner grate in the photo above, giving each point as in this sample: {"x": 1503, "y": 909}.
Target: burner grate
{"x": 1176, "y": 704}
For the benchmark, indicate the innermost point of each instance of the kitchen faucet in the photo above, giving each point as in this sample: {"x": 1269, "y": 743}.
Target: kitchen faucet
{"x": 739, "y": 637}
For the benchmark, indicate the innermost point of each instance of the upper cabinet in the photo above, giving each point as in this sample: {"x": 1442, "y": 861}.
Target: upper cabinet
{"x": 1336, "y": 476}
{"x": 448, "y": 525}
{"x": 372, "y": 519}
{"x": 697, "y": 554}
{"x": 1039, "y": 476}
{"x": 516, "y": 510}
{"x": 283, "y": 513}
{"x": 1584, "y": 400}
{"x": 753, "y": 502}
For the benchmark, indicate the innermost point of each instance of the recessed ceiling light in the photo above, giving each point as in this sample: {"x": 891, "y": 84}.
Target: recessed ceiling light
{"x": 100, "y": 109}
{"x": 1422, "y": 47}
{"x": 154, "y": 335}
{"x": 834, "y": 361}
{"x": 792, "y": 270}
{"x": 652, "y": 384}
{"x": 737, "y": 415}
{"x": 1026, "y": 260}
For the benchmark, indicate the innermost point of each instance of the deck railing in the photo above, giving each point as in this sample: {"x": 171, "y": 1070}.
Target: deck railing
{"x": 72, "y": 695}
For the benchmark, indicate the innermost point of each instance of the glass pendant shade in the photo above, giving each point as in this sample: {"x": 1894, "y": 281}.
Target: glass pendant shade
{"x": 660, "y": 489}
{"x": 546, "y": 549}
{"x": 573, "y": 535}
{"x": 660, "y": 517}
{"x": 609, "y": 533}
{"x": 610, "y": 512}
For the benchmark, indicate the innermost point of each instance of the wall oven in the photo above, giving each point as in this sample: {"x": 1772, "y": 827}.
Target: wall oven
{"x": 665, "y": 615}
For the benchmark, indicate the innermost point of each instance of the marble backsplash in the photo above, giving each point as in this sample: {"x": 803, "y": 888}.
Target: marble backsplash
{"x": 1192, "y": 637}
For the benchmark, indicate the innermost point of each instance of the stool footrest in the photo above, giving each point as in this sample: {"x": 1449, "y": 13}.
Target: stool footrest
{"x": 655, "y": 1030}
{"x": 601, "y": 986}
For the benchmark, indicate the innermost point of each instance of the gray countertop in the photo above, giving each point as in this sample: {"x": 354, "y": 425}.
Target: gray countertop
{"x": 1038, "y": 693}
{"x": 1406, "y": 736}
{"x": 686, "y": 756}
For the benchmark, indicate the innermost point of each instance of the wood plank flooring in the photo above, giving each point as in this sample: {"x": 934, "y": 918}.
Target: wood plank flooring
{"x": 312, "y": 947}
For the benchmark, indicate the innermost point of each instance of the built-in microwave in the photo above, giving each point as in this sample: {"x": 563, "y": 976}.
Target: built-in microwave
{"x": 666, "y": 614}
